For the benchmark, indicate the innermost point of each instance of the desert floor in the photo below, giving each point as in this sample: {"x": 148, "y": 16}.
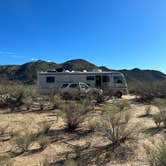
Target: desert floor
{"x": 57, "y": 148}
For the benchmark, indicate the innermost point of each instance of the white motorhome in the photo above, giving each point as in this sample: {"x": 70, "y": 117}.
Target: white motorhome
{"x": 112, "y": 83}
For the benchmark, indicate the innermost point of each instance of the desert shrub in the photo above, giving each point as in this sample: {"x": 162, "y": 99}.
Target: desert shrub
{"x": 148, "y": 110}
{"x": 44, "y": 127}
{"x": 159, "y": 102}
{"x": 14, "y": 95}
{"x": 70, "y": 162}
{"x": 43, "y": 142}
{"x": 114, "y": 125}
{"x": 157, "y": 119}
{"x": 160, "y": 117}
{"x": 92, "y": 125}
{"x": 157, "y": 156}
{"x": 45, "y": 162}
{"x": 23, "y": 140}
{"x": 28, "y": 102}
{"x": 5, "y": 161}
{"x": 74, "y": 113}
{"x": 56, "y": 101}
{"x": 2, "y": 130}
{"x": 95, "y": 94}
{"x": 148, "y": 91}
{"x": 122, "y": 105}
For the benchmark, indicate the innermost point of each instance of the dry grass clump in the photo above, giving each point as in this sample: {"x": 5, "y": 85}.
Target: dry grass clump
{"x": 44, "y": 128}
{"x": 5, "y": 161}
{"x": 115, "y": 127}
{"x": 23, "y": 140}
{"x": 157, "y": 155}
{"x": 56, "y": 101}
{"x": 160, "y": 118}
{"x": 148, "y": 110}
{"x": 43, "y": 141}
{"x": 74, "y": 113}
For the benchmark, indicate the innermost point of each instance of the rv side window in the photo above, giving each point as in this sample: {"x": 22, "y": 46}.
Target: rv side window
{"x": 73, "y": 85}
{"x": 106, "y": 79}
{"x": 50, "y": 79}
{"x": 90, "y": 78}
{"x": 64, "y": 85}
{"x": 118, "y": 80}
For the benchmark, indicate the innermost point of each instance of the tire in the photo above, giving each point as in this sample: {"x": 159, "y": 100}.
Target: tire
{"x": 66, "y": 96}
{"x": 118, "y": 95}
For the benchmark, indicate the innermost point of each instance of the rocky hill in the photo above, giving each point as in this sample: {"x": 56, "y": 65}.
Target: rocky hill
{"x": 28, "y": 71}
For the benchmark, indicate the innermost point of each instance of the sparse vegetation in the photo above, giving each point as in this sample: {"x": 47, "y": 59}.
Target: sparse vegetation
{"x": 157, "y": 155}
{"x": 23, "y": 140}
{"x": 56, "y": 101}
{"x": 74, "y": 113}
{"x": 160, "y": 117}
{"x": 148, "y": 110}
{"x": 43, "y": 142}
{"x": 44, "y": 127}
{"x": 5, "y": 161}
{"x": 110, "y": 129}
{"x": 114, "y": 125}
{"x": 147, "y": 92}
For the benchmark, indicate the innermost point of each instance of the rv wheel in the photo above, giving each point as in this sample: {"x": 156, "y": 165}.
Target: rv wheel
{"x": 66, "y": 96}
{"x": 119, "y": 95}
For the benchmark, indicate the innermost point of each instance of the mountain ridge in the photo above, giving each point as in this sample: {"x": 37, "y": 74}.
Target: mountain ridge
{"x": 27, "y": 72}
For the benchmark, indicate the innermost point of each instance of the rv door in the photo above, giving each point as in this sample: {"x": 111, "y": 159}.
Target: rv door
{"x": 98, "y": 81}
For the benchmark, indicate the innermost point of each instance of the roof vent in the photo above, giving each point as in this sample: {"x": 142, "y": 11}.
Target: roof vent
{"x": 97, "y": 70}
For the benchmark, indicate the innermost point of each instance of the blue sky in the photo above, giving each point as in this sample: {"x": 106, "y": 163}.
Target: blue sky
{"x": 115, "y": 33}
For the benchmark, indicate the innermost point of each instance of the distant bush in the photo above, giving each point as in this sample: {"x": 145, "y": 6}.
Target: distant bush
{"x": 160, "y": 117}
{"x": 74, "y": 113}
{"x": 146, "y": 92}
{"x": 15, "y": 95}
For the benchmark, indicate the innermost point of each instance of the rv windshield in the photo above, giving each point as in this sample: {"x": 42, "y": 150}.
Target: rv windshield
{"x": 118, "y": 79}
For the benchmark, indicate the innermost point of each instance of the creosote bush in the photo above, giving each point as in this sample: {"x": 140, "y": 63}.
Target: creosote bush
{"x": 23, "y": 140}
{"x": 114, "y": 125}
{"x": 148, "y": 110}
{"x": 160, "y": 117}
{"x": 56, "y": 101}
{"x": 43, "y": 142}
{"x": 74, "y": 113}
{"x": 44, "y": 127}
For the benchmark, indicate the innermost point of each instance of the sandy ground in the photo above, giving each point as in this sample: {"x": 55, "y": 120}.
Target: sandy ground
{"x": 30, "y": 121}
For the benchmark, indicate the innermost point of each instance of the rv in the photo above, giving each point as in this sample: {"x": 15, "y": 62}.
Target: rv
{"x": 112, "y": 82}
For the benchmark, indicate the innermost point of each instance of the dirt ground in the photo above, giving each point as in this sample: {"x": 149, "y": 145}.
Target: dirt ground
{"x": 56, "y": 149}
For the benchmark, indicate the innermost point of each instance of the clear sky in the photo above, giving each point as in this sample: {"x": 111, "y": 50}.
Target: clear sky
{"x": 115, "y": 33}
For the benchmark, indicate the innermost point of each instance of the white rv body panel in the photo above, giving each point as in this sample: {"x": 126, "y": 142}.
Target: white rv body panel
{"x": 48, "y": 81}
